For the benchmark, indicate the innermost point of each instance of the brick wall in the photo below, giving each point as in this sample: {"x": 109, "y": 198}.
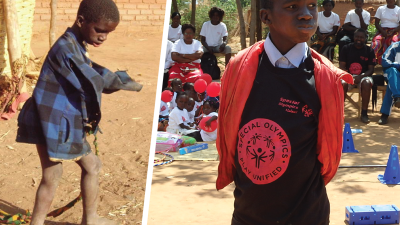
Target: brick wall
{"x": 136, "y": 15}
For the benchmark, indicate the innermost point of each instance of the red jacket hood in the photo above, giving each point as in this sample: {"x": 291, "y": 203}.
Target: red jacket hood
{"x": 236, "y": 85}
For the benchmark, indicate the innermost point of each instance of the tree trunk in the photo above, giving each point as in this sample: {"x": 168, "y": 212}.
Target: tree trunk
{"x": 253, "y": 22}
{"x": 52, "y": 35}
{"x": 259, "y": 27}
{"x": 17, "y": 62}
{"x": 10, "y": 15}
{"x": 242, "y": 25}
{"x": 193, "y": 19}
{"x": 175, "y": 6}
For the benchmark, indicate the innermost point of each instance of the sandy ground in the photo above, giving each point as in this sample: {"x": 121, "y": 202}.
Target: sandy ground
{"x": 124, "y": 145}
{"x": 184, "y": 192}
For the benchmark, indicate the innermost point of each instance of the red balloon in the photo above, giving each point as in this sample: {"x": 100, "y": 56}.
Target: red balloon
{"x": 213, "y": 89}
{"x": 207, "y": 77}
{"x": 214, "y": 124}
{"x": 167, "y": 95}
{"x": 200, "y": 85}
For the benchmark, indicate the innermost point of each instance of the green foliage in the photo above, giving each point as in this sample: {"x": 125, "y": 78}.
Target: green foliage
{"x": 371, "y": 31}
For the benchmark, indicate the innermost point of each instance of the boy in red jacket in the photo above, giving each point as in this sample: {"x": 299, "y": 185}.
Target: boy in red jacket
{"x": 283, "y": 149}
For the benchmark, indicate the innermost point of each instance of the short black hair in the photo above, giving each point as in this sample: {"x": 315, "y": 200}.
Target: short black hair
{"x": 188, "y": 26}
{"x": 95, "y": 10}
{"x": 190, "y": 98}
{"x": 359, "y": 0}
{"x": 176, "y": 14}
{"x": 266, "y": 4}
{"x": 174, "y": 80}
{"x": 362, "y": 31}
{"x": 213, "y": 102}
{"x": 220, "y": 12}
{"x": 187, "y": 86}
{"x": 327, "y": 1}
{"x": 180, "y": 94}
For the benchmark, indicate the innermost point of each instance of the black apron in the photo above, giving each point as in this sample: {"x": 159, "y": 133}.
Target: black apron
{"x": 278, "y": 178}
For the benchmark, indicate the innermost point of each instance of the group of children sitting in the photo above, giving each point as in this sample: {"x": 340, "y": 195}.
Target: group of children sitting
{"x": 185, "y": 111}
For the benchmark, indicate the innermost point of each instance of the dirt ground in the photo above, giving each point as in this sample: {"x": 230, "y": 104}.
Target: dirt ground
{"x": 124, "y": 145}
{"x": 184, "y": 192}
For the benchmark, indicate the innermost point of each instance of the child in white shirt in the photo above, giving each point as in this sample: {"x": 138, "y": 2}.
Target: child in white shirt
{"x": 176, "y": 85}
{"x": 210, "y": 108}
{"x": 179, "y": 118}
{"x": 189, "y": 108}
{"x": 164, "y": 110}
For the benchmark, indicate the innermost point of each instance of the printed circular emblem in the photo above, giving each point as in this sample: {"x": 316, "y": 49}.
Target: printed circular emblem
{"x": 263, "y": 150}
{"x": 355, "y": 68}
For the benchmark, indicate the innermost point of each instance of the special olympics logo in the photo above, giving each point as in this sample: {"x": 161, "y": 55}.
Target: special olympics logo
{"x": 263, "y": 151}
{"x": 355, "y": 68}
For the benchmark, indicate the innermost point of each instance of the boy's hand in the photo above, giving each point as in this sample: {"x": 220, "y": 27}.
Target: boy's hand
{"x": 385, "y": 34}
{"x": 357, "y": 79}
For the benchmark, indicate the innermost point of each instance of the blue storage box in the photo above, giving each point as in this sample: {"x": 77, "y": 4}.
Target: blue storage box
{"x": 375, "y": 214}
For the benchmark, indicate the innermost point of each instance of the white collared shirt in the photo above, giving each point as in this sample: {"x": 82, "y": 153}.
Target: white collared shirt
{"x": 292, "y": 59}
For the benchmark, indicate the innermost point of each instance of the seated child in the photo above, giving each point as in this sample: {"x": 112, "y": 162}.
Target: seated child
{"x": 164, "y": 111}
{"x": 199, "y": 103}
{"x": 176, "y": 85}
{"x": 178, "y": 118}
{"x": 210, "y": 108}
{"x": 189, "y": 108}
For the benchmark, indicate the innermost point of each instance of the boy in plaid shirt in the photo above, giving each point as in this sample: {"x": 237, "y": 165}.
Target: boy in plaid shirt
{"x": 65, "y": 107}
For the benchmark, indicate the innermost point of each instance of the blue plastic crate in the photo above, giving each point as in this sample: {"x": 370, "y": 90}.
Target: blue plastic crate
{"x": 387, "y": 214}
{"x": 193, "y": 148}
{"x": 375, "y": 214}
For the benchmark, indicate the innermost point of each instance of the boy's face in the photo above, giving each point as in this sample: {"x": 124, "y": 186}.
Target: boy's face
{"x": 176, "y": 85}
{"x": 190, "y": 105}
{"x": 193, "y": 94}
{"x": 391, "y": 2}
{"x": 291, "y": 21}
{"x": 181, "y": 101}
{"x": 207, "y": 108}
{"x": 176, "y": 21}
{"x": 95, "y": 33}
{"x": 328, "y": 7}
{"x": 215, "y": 19}
{"x": 189, "y": 87}
{"x": 359, "y": 39}
{"x": 358, "y": 4}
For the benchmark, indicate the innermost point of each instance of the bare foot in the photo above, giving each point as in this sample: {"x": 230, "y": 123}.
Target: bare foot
{"x": 100, "y": 221}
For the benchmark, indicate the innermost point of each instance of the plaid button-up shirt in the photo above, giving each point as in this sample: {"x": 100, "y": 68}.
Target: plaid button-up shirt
{"x": 66, "y": 100}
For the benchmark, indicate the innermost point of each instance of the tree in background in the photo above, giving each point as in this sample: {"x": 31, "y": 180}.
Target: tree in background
{"x": 193, "y": 19}
{"x": 242, "y": 25}
{"x": 174, "y": 6}
{"x": 196, "y": 13}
